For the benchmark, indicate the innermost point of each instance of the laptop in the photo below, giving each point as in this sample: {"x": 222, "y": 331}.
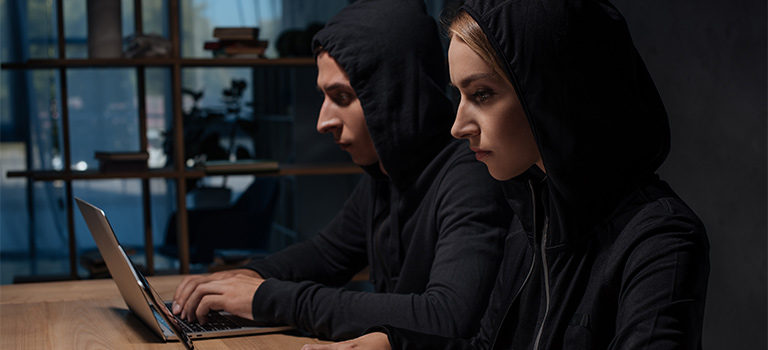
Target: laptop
{"x": 144, "y": 301}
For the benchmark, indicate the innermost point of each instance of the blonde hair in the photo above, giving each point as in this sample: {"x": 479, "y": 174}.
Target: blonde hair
{"x": 466, "y": 29}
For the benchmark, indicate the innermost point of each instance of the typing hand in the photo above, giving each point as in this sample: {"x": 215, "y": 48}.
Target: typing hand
{"x": 370, "y": 341}
{"x": 231, "y": 291}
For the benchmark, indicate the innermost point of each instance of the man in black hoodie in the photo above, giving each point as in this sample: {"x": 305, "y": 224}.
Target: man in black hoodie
{"x": 427, "y": 218}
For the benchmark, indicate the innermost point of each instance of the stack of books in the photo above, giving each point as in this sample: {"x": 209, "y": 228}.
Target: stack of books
{"x": 122, "y": 161}
{"x": 237, "y": 42}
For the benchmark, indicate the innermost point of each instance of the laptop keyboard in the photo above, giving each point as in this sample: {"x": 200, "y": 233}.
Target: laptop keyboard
{"x": 216, "y": 322}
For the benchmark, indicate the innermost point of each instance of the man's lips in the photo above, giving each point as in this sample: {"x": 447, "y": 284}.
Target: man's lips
{"x": 343, "y": 145}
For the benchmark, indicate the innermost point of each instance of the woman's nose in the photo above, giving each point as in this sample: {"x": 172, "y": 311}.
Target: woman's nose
{"x": 463, "y": 127}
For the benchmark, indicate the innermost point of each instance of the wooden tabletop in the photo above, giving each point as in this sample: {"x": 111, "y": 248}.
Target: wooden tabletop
{"x": 92, "y": 315}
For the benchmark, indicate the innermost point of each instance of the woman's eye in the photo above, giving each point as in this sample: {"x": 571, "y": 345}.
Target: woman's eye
{"x": 482, "y": 95}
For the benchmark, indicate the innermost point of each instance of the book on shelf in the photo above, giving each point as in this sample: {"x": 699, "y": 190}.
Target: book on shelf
{"x": 240, "y": 49}
{"x": 125, "y": 156}
{"x": 243, "y": 166}
{"x": 236, "y": 33}
{"x": 220, "y": 44}
{"x": 122, "y": 161}
{"x": 237, "y": 48}
{"x": 236, "y": 42}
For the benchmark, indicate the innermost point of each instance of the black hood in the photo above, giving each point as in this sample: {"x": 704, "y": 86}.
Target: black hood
{"x": 597, "y": 117}
{"x": 392, "y": 53}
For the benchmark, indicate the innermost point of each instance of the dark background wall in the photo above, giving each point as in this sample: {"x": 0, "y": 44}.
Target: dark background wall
{"x": 708, "y": 59}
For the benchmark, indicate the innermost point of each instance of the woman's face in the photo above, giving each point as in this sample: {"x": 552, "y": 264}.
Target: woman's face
{"x": 341, "y": 113}
{"x": 490, "y": 115}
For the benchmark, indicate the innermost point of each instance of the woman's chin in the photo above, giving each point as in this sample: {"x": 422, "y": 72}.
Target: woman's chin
{"x": 502, "y": 174}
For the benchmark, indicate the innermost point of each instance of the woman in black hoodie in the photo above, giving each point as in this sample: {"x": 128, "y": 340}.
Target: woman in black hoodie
{"x": 557, "y": 102}
{"x": 426, "y": 218}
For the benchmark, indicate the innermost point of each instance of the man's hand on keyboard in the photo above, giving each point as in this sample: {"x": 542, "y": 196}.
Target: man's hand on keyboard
{"x": 231, "y": 291}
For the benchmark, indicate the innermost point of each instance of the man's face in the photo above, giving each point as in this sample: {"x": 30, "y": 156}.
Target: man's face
{"x": 341, "y": 113}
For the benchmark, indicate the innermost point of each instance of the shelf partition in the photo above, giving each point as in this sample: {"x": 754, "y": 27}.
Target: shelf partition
{"x": 182, "y": 224}
{"x": 72, "y": 241}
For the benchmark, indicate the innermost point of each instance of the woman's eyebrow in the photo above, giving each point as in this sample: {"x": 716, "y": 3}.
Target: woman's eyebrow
{"x": 474, "y": 77}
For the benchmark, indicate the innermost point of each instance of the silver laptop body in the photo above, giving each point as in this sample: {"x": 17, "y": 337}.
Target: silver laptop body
{"x": 142, "y": 299}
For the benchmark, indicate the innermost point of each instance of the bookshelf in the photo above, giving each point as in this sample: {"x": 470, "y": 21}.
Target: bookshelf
{"x": 178, "y": 171}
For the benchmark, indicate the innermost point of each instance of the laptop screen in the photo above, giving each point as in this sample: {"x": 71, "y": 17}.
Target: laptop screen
{"x": 138, "y": 294}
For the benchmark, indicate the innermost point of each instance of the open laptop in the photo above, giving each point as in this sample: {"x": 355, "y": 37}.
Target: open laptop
{"x": 142, "y": 299}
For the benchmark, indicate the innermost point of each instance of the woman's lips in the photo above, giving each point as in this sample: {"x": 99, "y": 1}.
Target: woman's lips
{"x": 481, "y": 154}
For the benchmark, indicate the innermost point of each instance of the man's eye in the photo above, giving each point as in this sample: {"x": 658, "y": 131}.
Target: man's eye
{"x": 342, "y": 98}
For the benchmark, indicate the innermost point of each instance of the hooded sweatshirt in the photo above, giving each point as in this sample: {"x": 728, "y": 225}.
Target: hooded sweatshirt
{"x": 603, "y": 254}
{"x": 431, "y": 230}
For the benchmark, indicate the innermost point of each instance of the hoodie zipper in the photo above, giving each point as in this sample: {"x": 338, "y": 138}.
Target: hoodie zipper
{"x": 527, "y": 277}
{"x": 509, "y": 306}
{"x": 545, "y": 267}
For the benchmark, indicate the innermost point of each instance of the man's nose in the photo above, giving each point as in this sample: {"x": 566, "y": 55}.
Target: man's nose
{"x": 326, "y": 120}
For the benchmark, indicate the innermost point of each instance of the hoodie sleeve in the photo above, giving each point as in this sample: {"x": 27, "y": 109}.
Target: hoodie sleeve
{"x": 514, "y": 268}
{"x": 663, "y": 287}
{"x": 331, "y": 257}
{"x": 406, "y": 339}
{"x": 467, "y": 255}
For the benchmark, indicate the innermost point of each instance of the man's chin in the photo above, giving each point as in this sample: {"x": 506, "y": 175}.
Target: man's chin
{"x": 364, "y": 162}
